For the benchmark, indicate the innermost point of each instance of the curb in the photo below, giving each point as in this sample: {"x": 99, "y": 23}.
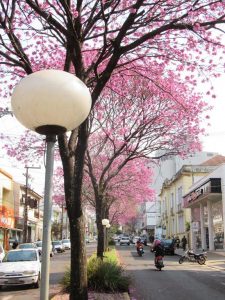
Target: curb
{"x": 96, "y": 296}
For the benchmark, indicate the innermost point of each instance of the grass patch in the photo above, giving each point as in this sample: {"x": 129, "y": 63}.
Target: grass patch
{"x": 105, "y": 275}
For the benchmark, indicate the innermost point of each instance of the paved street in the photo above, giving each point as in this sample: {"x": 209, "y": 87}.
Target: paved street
{"x": 58, "y": 266}
{"x": 180, "y": 282}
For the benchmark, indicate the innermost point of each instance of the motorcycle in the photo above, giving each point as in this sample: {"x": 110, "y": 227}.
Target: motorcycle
{"x": 140, "y": 250}
{"x": 190, "y": 256}
{"x": 159, "y": 263}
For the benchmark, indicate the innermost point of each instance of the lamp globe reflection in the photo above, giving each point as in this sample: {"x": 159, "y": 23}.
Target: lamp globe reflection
{"x": 51, "y": 102}
{"x": 105, "y": 222}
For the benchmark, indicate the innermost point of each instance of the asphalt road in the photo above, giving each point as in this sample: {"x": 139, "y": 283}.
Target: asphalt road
{"x": 58, "y": 265}
{"x": 188, "y": 281}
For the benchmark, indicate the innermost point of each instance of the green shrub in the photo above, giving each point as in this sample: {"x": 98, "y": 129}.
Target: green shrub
{"x": 106, "y": 276}
{"x": 103, "y": 276}
{"x": 112, "y": 243}
{"x": 65, "y": 282}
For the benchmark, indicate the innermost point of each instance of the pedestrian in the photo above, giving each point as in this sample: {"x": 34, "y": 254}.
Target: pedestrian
{"x": 184, "y": 242}
{"x": 151, "y": 239}
{"x": 15, "y": 244}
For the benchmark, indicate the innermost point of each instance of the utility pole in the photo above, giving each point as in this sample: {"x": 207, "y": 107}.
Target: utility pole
{"x": 25, "y": 216}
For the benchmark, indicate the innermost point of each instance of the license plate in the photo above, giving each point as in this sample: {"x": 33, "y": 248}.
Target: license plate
{"x": 12, "y": 281}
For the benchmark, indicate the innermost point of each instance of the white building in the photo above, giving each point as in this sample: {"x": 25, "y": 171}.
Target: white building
{"x": 166, "y": 168}
{"x": 206, "y": 198}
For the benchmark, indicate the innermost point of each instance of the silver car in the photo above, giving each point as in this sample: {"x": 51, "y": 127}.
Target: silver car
{"x": 58, "y": 246}
{"x": 66, "y": 243}
{"x": 124, "y": 240}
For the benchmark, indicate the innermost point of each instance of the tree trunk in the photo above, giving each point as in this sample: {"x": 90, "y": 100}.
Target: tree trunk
{"x": 73, "y": 175}
{"x": 99, "y": 217}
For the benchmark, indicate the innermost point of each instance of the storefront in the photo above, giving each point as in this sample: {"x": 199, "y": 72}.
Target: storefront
{"x": 7, "y": 223}
{"x": 207, "y": 202}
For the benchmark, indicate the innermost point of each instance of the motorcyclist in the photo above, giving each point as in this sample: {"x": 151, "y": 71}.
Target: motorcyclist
{"x": 158, "y": 248}
{"x": 139, "y": 244}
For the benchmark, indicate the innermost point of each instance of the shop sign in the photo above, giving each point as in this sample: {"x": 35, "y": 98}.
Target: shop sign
{"x": 7, "y": 222}
{"x": 7, "y": 219}
{"x": 194, "y": 195}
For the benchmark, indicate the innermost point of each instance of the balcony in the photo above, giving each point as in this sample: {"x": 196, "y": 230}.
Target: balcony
{"x": 171, "y": 211}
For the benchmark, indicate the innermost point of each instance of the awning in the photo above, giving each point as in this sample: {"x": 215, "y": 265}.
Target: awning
{"x": 15, "y": 229}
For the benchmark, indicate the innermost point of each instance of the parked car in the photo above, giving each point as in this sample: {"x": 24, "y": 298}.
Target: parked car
{"x": 2, "y": 253}
{"x": 169, "y": 246}
{"x": 58, "y": 246}
{"x": 135, "y": 239}
{"x": 144, "y": 240}
{"x": 27, "y": 246}
{"x": 125, "y": 240}
{"x": 66, "y": 243}
{"x": 39, "y": 246}
{"x": 20, "y": 267}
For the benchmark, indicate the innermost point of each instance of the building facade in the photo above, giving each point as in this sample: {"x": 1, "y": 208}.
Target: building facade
{"x": 164, "y": 170}
{"x": 7, "y": 212}
{"x": 206, "y": 199}
{"x": 175, "y": 217}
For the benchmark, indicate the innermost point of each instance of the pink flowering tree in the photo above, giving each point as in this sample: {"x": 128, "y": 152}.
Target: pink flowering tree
{"x": 103, "y": 42}
{"x": 126, "y": 130}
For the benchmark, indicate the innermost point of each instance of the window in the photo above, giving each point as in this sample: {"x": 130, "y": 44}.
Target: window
{"x": 172, "y": 200}
{"x": 180, "y": 223}
{"x": 179, "y": 195}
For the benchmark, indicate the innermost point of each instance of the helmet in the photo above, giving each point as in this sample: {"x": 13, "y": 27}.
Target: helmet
{"x": 156, "y": 243}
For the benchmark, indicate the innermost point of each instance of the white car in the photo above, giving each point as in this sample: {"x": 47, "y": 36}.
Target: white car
{"x": 2, "y": 253}
{"x": 66, "y": 243}
{"x": 58, "y": 246}
{"x": 135, "y": 239}
{"x": 39, "y": 246}
{"x": 21, "y": 267}
{"x": 124, "y": 240}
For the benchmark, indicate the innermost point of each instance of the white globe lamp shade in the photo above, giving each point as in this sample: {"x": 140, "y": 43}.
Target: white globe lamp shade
{"x": 108, "y": 226}
{"x": 51, "y": 102}
{"x": 105, "y": 222}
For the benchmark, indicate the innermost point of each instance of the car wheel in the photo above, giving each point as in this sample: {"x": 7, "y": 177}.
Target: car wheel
{"x": 37, "y": 284}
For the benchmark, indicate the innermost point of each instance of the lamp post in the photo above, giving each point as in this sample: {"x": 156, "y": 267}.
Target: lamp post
{"x": 50, "y": 102}
{"x": 107, "y": 235}
{"x": 105, "y": 222}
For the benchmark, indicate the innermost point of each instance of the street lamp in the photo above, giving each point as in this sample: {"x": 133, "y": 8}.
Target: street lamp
{"x": 105, "y": 222}
{"x": 107, "y": 235}
{"x": 50, "y": 102}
